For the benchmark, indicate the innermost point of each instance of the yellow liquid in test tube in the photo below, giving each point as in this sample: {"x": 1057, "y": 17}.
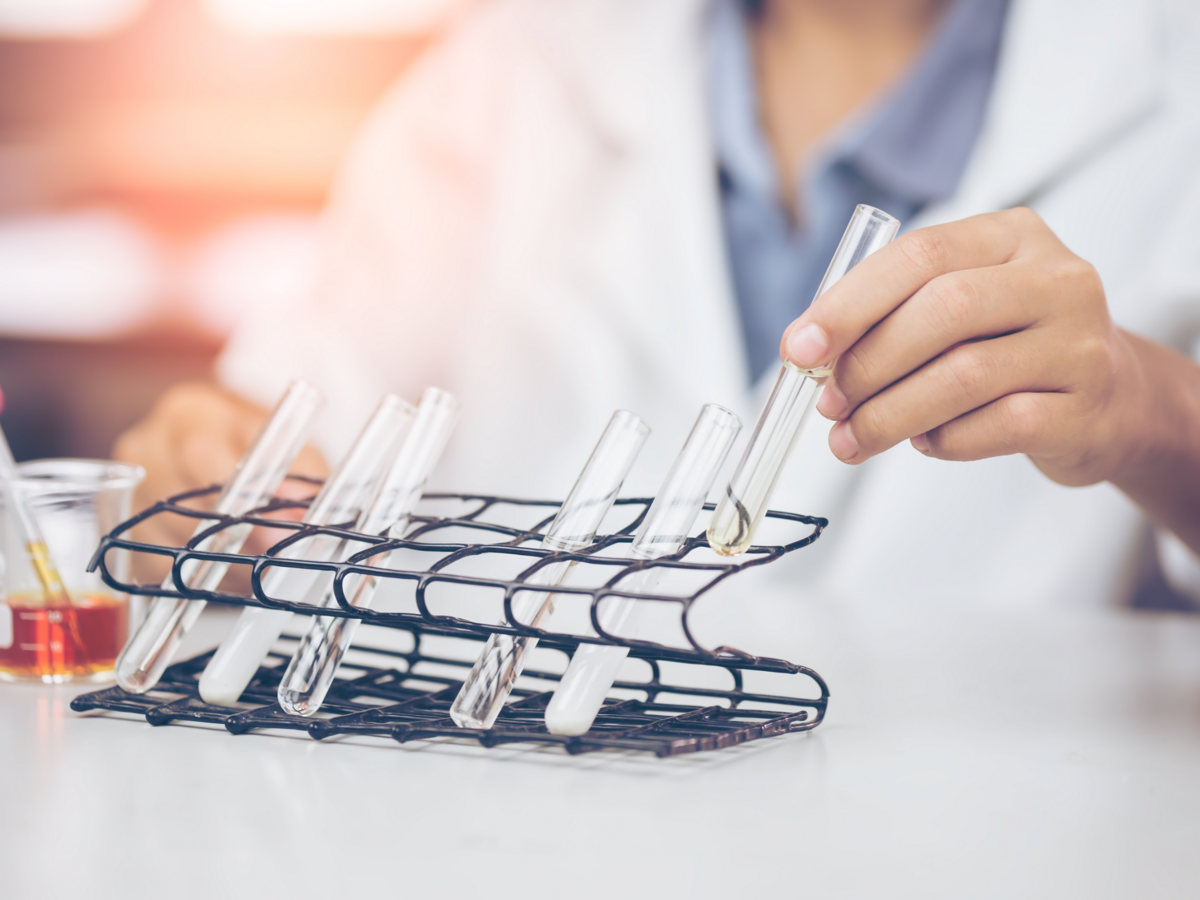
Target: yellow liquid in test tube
{"x": 796, "y": 390}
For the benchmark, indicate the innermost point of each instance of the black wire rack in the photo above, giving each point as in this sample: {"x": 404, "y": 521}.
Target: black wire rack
{"x": 402, "y": 687}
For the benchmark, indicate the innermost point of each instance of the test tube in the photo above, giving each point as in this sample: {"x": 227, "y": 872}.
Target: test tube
{"x": 346, "y": 493}
{"x": 498, "y": 667}
{"x": 310, "y": 672}
{"x": 54, "y": 592}
{"x": 744, "y": 503}
{"x": 593, "y": 669}
{"x": 151, "y": 648}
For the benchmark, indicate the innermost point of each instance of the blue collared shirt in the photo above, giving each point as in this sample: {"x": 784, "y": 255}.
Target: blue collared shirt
{"x": 907, "y": 150}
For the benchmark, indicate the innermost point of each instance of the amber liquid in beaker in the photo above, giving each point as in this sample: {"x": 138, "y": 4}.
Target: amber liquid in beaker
{"x": 55, "y": 643}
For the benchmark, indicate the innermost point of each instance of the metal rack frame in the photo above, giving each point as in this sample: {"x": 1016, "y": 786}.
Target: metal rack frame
{"x": 405, "y": 694}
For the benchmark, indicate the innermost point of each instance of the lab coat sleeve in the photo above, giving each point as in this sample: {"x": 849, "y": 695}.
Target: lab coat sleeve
{"x": 402, "y": 248}
{"x": 1180, "y": 566}
{"x": 1177, "y": 274}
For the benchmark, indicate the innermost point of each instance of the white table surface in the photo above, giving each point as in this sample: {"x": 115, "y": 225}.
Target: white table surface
{"x": 967, "y": 753}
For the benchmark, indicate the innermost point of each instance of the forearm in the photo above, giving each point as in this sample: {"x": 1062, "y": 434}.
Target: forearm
{"x": 1163, "y": 475}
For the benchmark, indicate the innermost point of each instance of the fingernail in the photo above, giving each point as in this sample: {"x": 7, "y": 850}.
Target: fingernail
{"x": 832, "y": 404}
{"x": 808, "y": 347}
{"x": 921, "y": 442}
{"x": 842, "y": 442}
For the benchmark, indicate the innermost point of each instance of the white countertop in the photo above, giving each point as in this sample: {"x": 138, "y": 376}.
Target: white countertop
{"x": 967, "y": 753}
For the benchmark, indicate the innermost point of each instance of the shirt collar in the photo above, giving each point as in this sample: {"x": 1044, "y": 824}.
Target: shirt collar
{"x": 914, "y": 142}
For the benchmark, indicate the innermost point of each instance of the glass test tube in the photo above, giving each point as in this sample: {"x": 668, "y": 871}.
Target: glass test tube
{"x": 54, "y": 592}
{"x": 593, "y": 669}
{"x": 744, "y": 504}
{"x": 258, "y": 473}
{"x": 498, "y": 667}
{"x": 310, "y": 672}
{"x": 342, "y": 499}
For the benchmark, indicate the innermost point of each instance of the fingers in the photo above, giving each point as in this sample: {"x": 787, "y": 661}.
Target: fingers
{"x": 950, "y": 309}
{"x": 977, "y": 338}
{"x": 206, "y": 432}
{"x": 886, "y": 279}
{"x": 957, "y": 382}
{"x": 199, "y": 458}
{"x": 310, "y": 462}
{"x": 193, "y": 437}
{"x": 1016, "y": 423}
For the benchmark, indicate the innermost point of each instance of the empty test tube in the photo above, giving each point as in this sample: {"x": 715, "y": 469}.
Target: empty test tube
{"x": 744, "y": 503}
{"x": 310, "y": 672}
{"x": 150, "y": 649}
{"x": 593, "y": 669}
{"x": 342, "y": 499}
{"x": 500, "y": 664}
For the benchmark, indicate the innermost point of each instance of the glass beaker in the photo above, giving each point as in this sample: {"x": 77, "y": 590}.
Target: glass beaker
{"x": 75, "y": 502}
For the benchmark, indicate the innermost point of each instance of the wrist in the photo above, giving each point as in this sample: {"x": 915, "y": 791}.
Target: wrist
{"x": 1135, "y": 430}
{"x": 1160, "y": 468}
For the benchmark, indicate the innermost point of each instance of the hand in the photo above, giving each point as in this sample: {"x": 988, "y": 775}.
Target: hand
{"x": 979, "y": 338}
{"x": 193, "y": 438}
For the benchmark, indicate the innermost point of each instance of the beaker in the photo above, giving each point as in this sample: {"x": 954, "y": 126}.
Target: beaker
{"x": 75, "y": 503}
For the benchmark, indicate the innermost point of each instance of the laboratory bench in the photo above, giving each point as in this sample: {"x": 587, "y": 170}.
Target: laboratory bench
{"x": 967, "y": 752}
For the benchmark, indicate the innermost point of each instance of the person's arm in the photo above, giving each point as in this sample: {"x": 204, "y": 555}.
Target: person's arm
{"x": 987, "y": 337}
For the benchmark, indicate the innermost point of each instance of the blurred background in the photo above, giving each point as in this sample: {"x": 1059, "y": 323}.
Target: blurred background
{"x": 162, "y": 165}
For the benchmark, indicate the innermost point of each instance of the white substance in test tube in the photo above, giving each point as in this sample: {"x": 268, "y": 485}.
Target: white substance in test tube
{"x": 496, "y": 670}
{"x": 152, "y": 646}
{"x": 664, "y": 531}
{"x": 594, "y": 667}
{"x": 255, "y": 632}
{"x": 347, "y": 492}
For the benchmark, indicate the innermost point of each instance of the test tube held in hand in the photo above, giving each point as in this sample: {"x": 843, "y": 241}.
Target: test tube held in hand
{"x": 342, "y": 499}
{"x": 742, "y": 507}
{"x": 500, "y": 664}
{"x": 593, "y": 669}
{"x": 151, "y": 648}
{"x": 311, "y": 670}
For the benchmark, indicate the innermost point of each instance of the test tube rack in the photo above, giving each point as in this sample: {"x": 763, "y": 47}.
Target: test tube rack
{"x": 403, "y": 691}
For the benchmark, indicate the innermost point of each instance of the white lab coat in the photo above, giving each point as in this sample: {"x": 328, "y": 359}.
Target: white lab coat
{"x": 530, "y": 221}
